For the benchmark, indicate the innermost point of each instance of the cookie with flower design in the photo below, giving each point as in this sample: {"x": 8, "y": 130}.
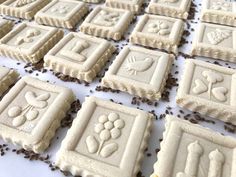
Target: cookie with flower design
{"x": 219, "y": 11}
{"x": 106, "y": 139}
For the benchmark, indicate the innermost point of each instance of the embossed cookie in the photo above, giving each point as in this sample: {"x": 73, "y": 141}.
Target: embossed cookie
{"x": 7, "y": 78}
{"x": 219, "y": 11}
{"x": 139, "y": 71}
{"x": 158, "y": 32}
{"x": 189, "y": 150}
{"x": 208, "y": 89}
{"x": 5, "y": 27}
{"x": 170, "y": 8}
{"x": 132, "y": 5}
{"x": 106, "y": 139}
{"x": 31, "y": 112}
{"x": 215, "y": 41}
{"x": 79, "y": 56}
{"x": 22, "y": 8}
{"x": 29, "y": 42}
{"x": 62, "y": 13}
{"x": 107, "y": 22}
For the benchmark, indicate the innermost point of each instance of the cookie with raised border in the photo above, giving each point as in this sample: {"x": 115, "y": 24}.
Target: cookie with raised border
{"x": 31, "y": 112}
{"x": 139, "y": 71}
{"x": 62, "y": 13}
{"x": 192, "y": 150}
{"x": 22, "y": 8}
{"x": 5, "y": 27}
{"x": 132, "y": 5}
{"x": 208, "y": 89}
{"x": 215, "y": 41}
{"x": 28, "y": 42}
{"x": 219, "y": 12}
{"x": 80, "y": 56}
{"x": 7, "y": 78}
{"x": 170, "y": 8}
{"x": 106, "y": 139}
{"x": 107, "y": 22}
{"x": 158, "y": 32}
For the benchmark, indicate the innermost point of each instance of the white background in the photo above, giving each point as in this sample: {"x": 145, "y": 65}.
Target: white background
{"x": 12, "y": 165}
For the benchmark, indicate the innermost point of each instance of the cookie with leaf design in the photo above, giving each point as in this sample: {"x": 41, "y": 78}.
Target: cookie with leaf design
{"x": 215, "y": 41}
{"x": 25, "y": 9}
{"x": 31, "y": 112}
{"x": 208, "y": 89}
{"x": 170, "y": 8}
{"x": 219, "y": 12}
{"x": 29, "y": 42}
{"x": 106, "y": 139}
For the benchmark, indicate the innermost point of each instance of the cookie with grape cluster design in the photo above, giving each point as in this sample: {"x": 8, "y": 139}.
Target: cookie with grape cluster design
{"x": 62, "y": 13}
{"x": 31, "y": 112}
{"x": 170, "y": 8}
{"x": 28, "y": 42}
{"x": 215, "y": 41}
{"x": 106, "y": 139}
{"x": 219, "y": 12}
{"x": 107, "y": 22}
{"x": 25, "y": 9}
{"x": 208, "y": 89}
{"x": 5, "y": 26}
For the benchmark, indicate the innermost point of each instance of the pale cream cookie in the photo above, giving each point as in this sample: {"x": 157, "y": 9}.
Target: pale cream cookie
{"x": 219, "y": 11}
{"x": 132, "y": 5}
{"x": 80, "y": 56}
{"x": 22, "y": 8}
{"x": 208, "y": 89}
{"x": 5, "y": 27}
{"x": 31, "y": 112}
{"x": 107, "y": 22}
{"x": 62, "y": 13}
{"x": 158, "y": 32}
{"x": 170, "y": 8}
{"x": 28, "y": 42}
{"x": 106, "y": 139}
{"x": 139, "y": 71}
{"x": 189, "y": 150}
{"x": 215, "y": 41}
{"x": 7, "y": 78}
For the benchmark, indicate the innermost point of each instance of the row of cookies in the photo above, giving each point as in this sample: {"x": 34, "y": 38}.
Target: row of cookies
{"x": 216, "y": 40}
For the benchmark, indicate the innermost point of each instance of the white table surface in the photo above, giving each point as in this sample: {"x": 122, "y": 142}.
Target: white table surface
{"x": 12, "y": 165}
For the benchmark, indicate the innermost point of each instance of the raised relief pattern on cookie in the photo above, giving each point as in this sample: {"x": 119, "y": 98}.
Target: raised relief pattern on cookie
{"x": 134, "y": 66}
{"x": 217, "y": 36}
{"x": 62, "y": 9}
{"x": 221, "y": 5}
{"x": 109, "y": 128}
{"x": 207, "y": 85}
{"x": 28, "y": 38}
{"x": 30, "y": 112}
{"x": 106, "y": 18}
{"x": 159, "y": 27}
{"x": 21, "y": 3}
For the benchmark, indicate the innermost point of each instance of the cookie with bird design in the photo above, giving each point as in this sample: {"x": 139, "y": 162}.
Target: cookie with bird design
{"x": 139, "y": 71}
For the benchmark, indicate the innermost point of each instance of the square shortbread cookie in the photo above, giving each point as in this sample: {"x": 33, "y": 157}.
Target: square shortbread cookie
{"x": 62, "y": 13}
{"x": 106, "y": 139}
{"x": 22, "y": 8}
{"x": 31, "y": 112}
{"x": 29, "y": 42}
{"x": 208, "y": 89}
{"x": 80, "y": 56}
{"x": 107, "y": 22}
{"x": 170, "y": 8}
{"x": 219, "y": 11}
{"x": 189, "y": 150}
{"x": 215, "y": 41}
{"x": 132, "y": 5}
{"x": 5, "y": 27}
{"x": 158, "y": 32}
{"x": 7, "y": 78}
{"x": 139, "y": 71}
